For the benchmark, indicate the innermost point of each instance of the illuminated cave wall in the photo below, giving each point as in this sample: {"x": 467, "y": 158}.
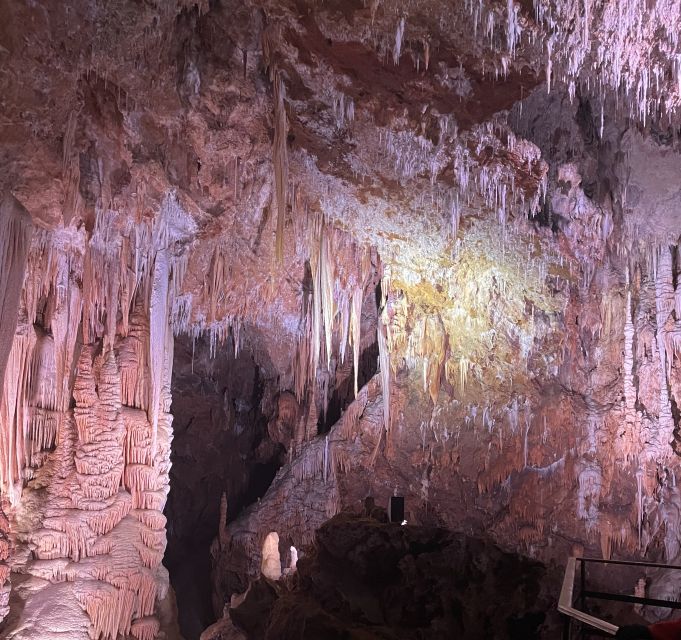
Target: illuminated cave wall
{"x": 86, "y": 423}
{"x": 477, "y": 204}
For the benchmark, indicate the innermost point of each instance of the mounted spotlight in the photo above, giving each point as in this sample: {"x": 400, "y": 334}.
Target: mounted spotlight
{"x": 396, "y": 509}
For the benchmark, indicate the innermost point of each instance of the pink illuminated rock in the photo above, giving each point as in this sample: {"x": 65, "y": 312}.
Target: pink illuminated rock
{"x": 444, "y": 237}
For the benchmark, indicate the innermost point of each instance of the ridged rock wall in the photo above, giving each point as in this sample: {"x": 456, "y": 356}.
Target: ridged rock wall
{"x": 86, "y": 427}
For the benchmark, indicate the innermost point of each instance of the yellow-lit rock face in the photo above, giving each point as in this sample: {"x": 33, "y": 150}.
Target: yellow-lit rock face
{"x": 481, "y": 315}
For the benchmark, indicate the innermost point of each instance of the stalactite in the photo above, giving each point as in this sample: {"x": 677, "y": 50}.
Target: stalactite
{"x": 355, "y": 332}
{"x": 639, "y": 504}
{"x": 110, "y": 610}
{"x": 326, "y": 292}
{"x": 629, "y": 388}
{"x": 317, "y": 230}
{"x": 217, "y": 279}
{"x": 132, "y": 355}
{"x": 352, "y": 415}
{"x": 65, "y": 322}
{"x": 399, "y": 35}
{"x": 384, "y": 360}
{"x": 145, "y": 628}
{"x": 159, "y": 316}
{"x": 15, "y": 414}
{"x": 101, "y": 279}
{"x": 16, "y": 230}
{"x": 664, "y": 304}
{"x": 310, "y": 464}
{"x": 70, "y": 170}
{"x": 280, "y": 157}
{"x": 588, "y": 499}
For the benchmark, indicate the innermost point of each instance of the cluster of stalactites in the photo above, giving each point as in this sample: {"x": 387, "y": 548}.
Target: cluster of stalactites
{"x": 651, "y": 352}
{"x": 335, "y": 310}
{"x": 122, "y": 265}
{"x": 628, "y": 48}
{"x": 624, "y": 47}
{"x": 479, "y": 181}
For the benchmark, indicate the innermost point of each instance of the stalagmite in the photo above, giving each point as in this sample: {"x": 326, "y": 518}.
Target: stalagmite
{"x": 223, "y": 534}
{"x": 271, "y": 560}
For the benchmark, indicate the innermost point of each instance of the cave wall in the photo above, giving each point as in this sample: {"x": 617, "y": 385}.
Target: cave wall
{"x": 420, "y": 248}
{"x": 87, "y": 429}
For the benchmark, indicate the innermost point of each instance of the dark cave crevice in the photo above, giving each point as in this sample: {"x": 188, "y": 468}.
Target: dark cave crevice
{"x": 219, "y": 408}
{"x": 343, "y": 394}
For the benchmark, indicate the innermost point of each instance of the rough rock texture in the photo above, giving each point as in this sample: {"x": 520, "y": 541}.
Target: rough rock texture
{"x": 89, "y": 526}
{"x": 364, "y": 579}
{"x": 443, "y": 233}
{"x": 220, "y": 448}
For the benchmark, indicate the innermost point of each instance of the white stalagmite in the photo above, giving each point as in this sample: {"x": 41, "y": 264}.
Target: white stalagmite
{"x": 271, "y": 559}
{"x": 293, "y": 563}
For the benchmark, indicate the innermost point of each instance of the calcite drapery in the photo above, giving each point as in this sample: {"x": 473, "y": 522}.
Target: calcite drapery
{"x": 95, "y": 475}
{"x": 15, "y": 237}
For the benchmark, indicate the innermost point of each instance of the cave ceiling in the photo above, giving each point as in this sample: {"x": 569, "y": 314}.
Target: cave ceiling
{"x": 484, "y": 194}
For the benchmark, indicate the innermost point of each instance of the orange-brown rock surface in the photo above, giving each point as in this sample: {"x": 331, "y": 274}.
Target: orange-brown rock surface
{"x": 355, "y": 248}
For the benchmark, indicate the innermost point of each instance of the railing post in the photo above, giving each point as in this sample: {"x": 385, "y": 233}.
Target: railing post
{"x": 582, "y": 591}
{"x": 566, "y": 627}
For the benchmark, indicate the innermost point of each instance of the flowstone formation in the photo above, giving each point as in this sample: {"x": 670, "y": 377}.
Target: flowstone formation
{"x": 86, "y": 426}
{"x": 440, "y": 238}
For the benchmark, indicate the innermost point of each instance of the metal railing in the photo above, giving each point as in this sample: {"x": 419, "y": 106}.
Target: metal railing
{"x": 567, "y": 600}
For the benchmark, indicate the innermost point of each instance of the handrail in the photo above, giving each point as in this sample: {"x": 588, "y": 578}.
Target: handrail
{"x": 567, "y": 598}
{"x": 630, "y": 563}
{"x": 565, "y": 602}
